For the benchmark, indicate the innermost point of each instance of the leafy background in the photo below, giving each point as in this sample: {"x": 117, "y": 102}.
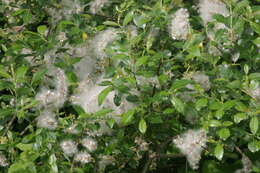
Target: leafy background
{"x": 144, "y": 67}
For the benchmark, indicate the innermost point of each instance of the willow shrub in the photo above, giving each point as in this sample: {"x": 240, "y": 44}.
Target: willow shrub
{"x": 175, "y": 86}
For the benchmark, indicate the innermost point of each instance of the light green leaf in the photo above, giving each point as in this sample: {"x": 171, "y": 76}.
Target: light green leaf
{"x": 111, "y": 23}
{"x": 141, "y": 61}
{"x": 219, "y": 113}
{"x": 38, "y": 76}
{"x": 219, "y": 152}
{"x": 53, "y": 164}
{"x": 128, "y": 117}
{"x": 102, "y": 112}
{"x": 178, "y": 84}
{"x": 239, "y": 117}
{"x": 25, "y": 147}
{"x": 178, "y": 104}
{"x": 224, "y": 133}
{"x": 41, "y": 29}
{"x": 254, "y": 146}
{"x": 140, "y": 21}
{"x": 214, "y": 123}
{"x": 128, "y": 18}
{"x": 3, "y": 73}
{"x": 201, "y": 103}
{"x": 254, "y": 125}
{"x": 142, "y": 126}
{"x": 103, "y": 94}
{"x": 20, "y": 73}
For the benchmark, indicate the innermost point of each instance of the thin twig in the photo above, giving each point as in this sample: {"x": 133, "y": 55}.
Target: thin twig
{"x": 9, "y": 124}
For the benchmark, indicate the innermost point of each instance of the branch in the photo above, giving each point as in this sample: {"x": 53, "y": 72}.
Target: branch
{"x": 9, "y": 124}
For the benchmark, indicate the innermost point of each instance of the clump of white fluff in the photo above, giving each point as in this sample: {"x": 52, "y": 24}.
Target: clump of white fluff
{"x": 69, "y": 147}
{"x": 3, "y": 161}
{"x": 28, "y": 55}
{"x": 208, "y": 8}
{"x": 254, "y": 90}
{"x": 47, "y": 120}
{"x": 66, "y": 10}
{"x": 191, "y": 144}
{"x": 87, "y": 98}
{"x": 89, "y": 143}
{"x": 247, "y": 165}
{"x": 97, "y": 5}
{"x": 54, "y": 98}
{"x": 101, "y": 41}
{"x": 72, "y": 129}
{"x": 201, "y": 79}
{"x": 142, "y": 144}
{"x": 105, "y": 160}
{"x": 180, "y": 26}
{"x": 83, "y": 157}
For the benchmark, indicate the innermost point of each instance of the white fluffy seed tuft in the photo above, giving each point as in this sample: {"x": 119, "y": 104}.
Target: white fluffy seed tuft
{"x": 54, "y": 98}
{"x": 69, "y": 147}
{"x": 97, "y": 5}
{"x": 207, "y": 9}
{"x": 101, "y": 41}
{"x": 3, "y": 161}
{"x": 89, "y": 143}
{"x": 83, "y": 157}
{"x": 191, "y": 144}
{"x": 180, "y": 26}
{"x": 47, "y": 120}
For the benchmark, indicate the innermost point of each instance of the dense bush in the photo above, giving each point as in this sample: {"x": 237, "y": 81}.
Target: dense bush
{"x": 129, "y": 86}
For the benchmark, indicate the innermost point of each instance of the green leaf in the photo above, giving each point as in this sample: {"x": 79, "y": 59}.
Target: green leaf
{"x": 214, "y": 123}
{"x": 215, "y": 105}
{"x": 128, "y": 18}
{"x": 254, "y": 146}
{"x": 229, "y": 104}
{"x": 103, "y": 112}
{"x": 178, "y": 104}
{"x": 128, "y": 117}
{"x": 201, "y": 103}
{"x": 53, "y": 164}
{"x": 111, "y": 23}
{"x": 178, "y": 84}
{"x": 22, "y": 166}
{"x": 38, "y": 76}
{"x": 111, "y": 122}
{"x": 239, "y": 117}
{"x": 3, "y": 73}
{"x": 219, "y": 113}
{"x": 254, "y": 76}
{"x": 254, "y": 125}
{"x": 142, "y": 126}
{"x": 41, "y": 29}
{"x": 25, "y": 147}
{"x": 141, "y": 61}
{"x": 224, "y": 133}
{"x": 255, "y": 27}
{"x": 219, "y": 152}
{"x": 103, "y": 94}
{"x": 140, "y": 21}
{"x": 20, "y": 73}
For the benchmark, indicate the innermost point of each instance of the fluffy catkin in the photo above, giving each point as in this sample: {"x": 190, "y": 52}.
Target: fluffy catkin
{"x": 207, "y": 8}
{"x": 97, "y": 5}
{"x": 191, "y": 144}
{"x": 54, "y": 98}
{"x": 83, "y": 157}
{"x": 47, "y": 120}
{"x": 180, "y": 26}
{"x": 69, "y": 147}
